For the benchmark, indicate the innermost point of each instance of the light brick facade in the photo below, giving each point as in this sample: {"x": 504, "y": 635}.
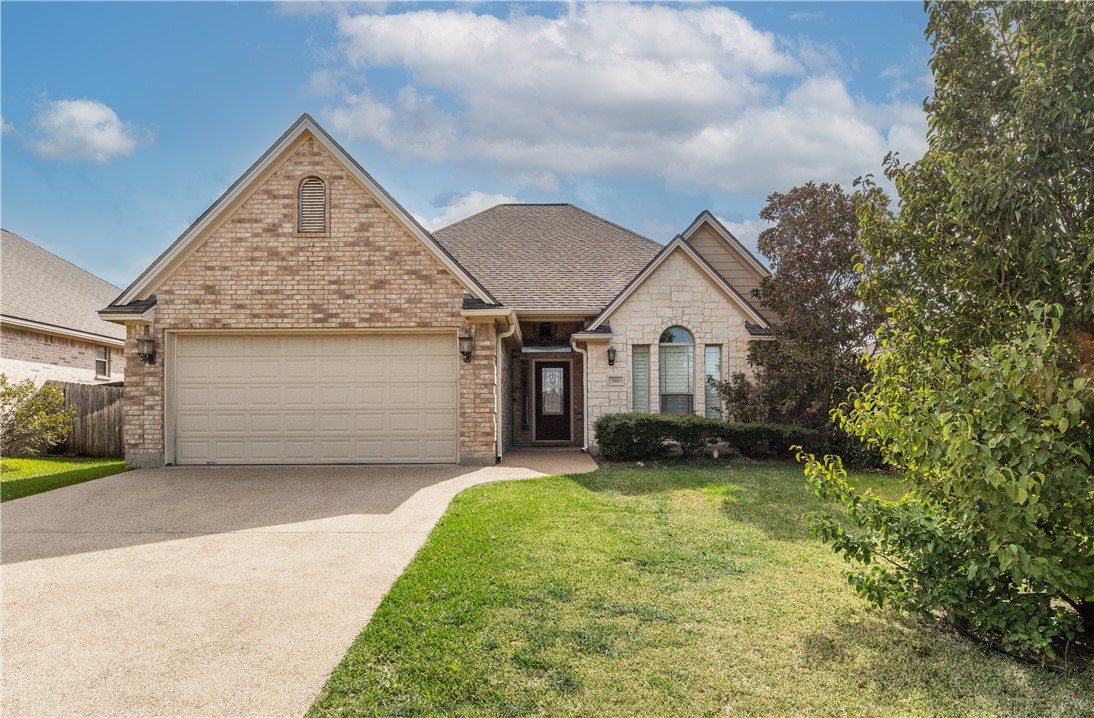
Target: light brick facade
{"x": 677, "y": 293}
{"x": 255, "y": 272}
{"x": 42, "y": 357}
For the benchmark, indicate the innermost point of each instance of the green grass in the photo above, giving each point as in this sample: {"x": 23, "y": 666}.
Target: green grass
{"x": 661, "y": 592}
{"x": 26, "y": 477}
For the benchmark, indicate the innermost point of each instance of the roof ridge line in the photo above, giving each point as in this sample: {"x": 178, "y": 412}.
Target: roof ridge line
{"x": 619, "y": 226}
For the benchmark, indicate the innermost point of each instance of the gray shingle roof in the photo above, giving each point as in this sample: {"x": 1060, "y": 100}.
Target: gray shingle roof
{"x": 38, "y": 286}
{"x": 547, "y": 256}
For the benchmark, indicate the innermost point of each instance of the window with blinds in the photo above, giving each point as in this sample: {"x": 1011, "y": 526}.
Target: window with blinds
{"x": 676, "y": 367}
{"x": 640, "y": 378}
{"x": 712, "y": 366}
{"x": 312, "y": 212}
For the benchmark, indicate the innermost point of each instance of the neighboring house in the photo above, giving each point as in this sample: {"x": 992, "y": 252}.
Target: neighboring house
{"x": 49, "y": 325}
{"x": 306, "y": 317}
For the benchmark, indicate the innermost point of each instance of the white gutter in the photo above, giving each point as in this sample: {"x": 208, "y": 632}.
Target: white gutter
{"x": 584, "y": 392}
{"x": 499, "y": 441}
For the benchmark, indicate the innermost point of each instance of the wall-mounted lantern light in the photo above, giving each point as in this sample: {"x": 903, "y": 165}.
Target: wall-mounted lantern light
{"x": 465, "y": 347}
{"x": 611, "y": 356}
{"x": 146, "y": 349}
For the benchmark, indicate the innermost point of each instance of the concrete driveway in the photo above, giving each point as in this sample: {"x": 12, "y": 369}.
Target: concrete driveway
{"x": 210, "y": 591}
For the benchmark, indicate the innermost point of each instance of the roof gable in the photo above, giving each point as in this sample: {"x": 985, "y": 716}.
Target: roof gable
{"x": 305, "y": 127}
{"x": 731, "y": 243}
{"x": 680, "y": 245}
{"x": 44, "y": 292}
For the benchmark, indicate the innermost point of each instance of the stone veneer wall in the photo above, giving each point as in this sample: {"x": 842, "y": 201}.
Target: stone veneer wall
{"x": 255, "y": 272}
{"x": 678, "y": 293}
{"x": 40, "y": 357}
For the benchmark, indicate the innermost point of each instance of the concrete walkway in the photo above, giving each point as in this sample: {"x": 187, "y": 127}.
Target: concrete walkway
{"x": 211, "y": 591}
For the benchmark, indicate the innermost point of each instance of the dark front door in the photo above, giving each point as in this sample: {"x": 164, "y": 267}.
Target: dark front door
{"x": 552, "y": 401}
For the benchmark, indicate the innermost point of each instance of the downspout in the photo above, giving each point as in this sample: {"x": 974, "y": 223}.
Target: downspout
{"x": 498, "y": 437}
{"x": 584, "y": 392}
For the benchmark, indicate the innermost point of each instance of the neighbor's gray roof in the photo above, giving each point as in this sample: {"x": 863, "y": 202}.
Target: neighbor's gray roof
{"x": 547, "y": 256}
{"x": 38, "y": 286}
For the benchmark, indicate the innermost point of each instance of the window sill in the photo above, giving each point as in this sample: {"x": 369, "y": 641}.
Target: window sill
{"x": 311, "y": 235}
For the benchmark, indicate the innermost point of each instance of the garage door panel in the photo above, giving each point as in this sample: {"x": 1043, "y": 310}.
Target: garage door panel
{"x": 298, "y": 396}
{"x": 230, "y": 423}
{"x": 405, "y": 422}
{"x": 438, "y": 368}
{"x": 299, "y": 423}
{"x": 440, "y": 396}
{"x": 229, "y": 450}
{"x": 193, "y": 423}
{"x": 229, "y": 397}
{"x": 265, "y": 368}
{"x": 267, "y": 423}
{"x": 193, "y": 396}
{"x": 339, "y": 423}
{"x": 299, "y": 368}
{"x": 437, "y": 450}
{"x": 369, "y": 422}
{"x": 264, "y": 396}
{"x": 403, "y": 395}
{"x": 316, "y": 399}
{"x": 440, "y": 421}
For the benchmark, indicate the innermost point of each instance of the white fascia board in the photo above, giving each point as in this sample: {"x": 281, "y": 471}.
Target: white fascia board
{"x": 727, "y": 238}
{"x": 162, "y": 267}
{"x": 43, "y": 328}
{"x": 485, "y": 313}
{"x": 565, "y": 313}
{"x": 591, "y": 336}
{"x": 146, "y": 317}
{"x": 679, "y": 244}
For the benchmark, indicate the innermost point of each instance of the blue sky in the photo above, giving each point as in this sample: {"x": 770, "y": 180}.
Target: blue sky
{"x": 122, "y": 122}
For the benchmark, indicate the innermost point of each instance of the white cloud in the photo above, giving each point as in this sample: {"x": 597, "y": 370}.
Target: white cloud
{"x": 325, "y": 82}
{"x": 83, "y": 130}
{"x": 5, "y": 126}
{"x": 682, "y": 94}
{"x": 799, "y": 16}
{"x": 462, "y": 207}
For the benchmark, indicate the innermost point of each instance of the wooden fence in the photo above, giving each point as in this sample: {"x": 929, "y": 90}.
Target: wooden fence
{"x": 97, "y": 425}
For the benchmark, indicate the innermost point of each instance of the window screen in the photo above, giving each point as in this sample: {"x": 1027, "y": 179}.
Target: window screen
{"x": 640, "y": 378}
{"x": 712, "y": 362}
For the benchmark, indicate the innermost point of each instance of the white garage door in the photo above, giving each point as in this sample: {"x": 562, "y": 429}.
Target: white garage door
{"x": 315, "y": 399}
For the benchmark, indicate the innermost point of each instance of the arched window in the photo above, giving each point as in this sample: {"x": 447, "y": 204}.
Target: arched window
{"x": 676, "y": 366}
{"x": 312, "y": 206}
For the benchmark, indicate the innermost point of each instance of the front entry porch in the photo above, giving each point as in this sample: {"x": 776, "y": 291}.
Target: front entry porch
{"x": 547, "y": 394}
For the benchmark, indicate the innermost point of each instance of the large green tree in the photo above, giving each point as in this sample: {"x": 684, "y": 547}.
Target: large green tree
{"x": 982, "y": 387}
{"x": 822, "y": 329}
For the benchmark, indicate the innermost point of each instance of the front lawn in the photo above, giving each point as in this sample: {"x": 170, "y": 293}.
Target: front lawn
{"x": 661, "y": 592}
{"x": 25, "y": 477}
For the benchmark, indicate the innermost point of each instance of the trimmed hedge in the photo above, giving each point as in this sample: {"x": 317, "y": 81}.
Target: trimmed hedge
{"x": 631, "y": 436}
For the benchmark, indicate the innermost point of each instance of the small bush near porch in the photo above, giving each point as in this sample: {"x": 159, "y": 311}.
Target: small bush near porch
{"x": 691, "y": 591}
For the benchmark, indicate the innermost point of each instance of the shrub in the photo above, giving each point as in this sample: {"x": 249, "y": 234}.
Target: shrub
{"x": 631, "y": 437}
{"x": 31, "y": 418}
{"x": 768, "y": 441}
